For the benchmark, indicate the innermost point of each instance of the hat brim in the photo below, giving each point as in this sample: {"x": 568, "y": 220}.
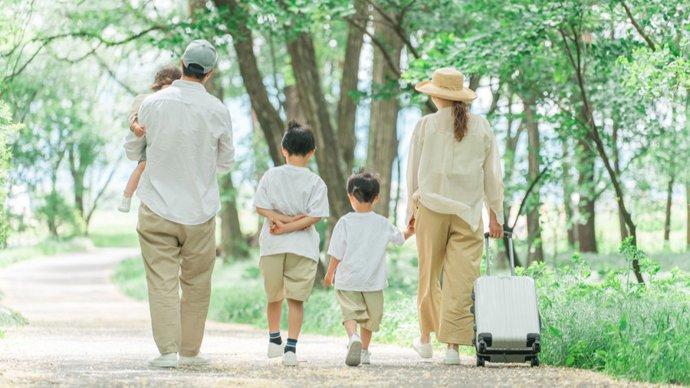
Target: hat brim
{"x": 463, "y": 95}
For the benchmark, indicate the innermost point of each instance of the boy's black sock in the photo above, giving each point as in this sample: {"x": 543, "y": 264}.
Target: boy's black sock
{"x": 291, "y": 345}
{"x": 275, "y": 337}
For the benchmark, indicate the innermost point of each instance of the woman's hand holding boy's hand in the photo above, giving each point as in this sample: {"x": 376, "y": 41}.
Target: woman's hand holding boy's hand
{"x": 409, "y": 232}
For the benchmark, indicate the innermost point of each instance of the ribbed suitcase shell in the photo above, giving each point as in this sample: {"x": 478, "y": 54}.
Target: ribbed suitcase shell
{"x": 505, "y": 308}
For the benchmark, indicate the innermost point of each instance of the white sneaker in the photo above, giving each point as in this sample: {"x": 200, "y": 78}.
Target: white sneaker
{"x": 452, "y": 357}
{"x": 168, "y": 360}
{"x": 366, "y": 357}
{"x": 125, "y": 205}
{"x": 193, "y": 361}
{"x": 290, "y": 359}
{"x": 354, "y": 351}
{"x": 424, "y": 350}
{"x": 275, "y": 350}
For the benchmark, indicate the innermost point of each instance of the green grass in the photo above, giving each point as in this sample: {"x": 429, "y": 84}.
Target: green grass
{"x": 45, "y": 248}
{"x": 613, "y": 325}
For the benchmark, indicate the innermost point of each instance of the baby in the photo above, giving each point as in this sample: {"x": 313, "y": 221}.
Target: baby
{"x": 164, "y": 77}
{"x": 358, "y": 253}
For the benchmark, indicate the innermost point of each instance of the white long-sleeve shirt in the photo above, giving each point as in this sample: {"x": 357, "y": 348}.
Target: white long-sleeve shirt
{"x": 451, "y": 177}
{"x": 188, "y": 142}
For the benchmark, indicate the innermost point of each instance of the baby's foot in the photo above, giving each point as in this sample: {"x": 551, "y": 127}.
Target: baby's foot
{"x": 125, "y": 204}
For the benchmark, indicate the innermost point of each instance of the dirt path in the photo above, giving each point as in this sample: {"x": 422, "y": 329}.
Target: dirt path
{"x": 83, "y": 332}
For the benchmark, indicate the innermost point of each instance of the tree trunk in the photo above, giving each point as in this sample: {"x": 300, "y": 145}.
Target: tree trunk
{"x": 347, "y": 103}
{"x": 586, "y": 232}
{"x": 269, "y": 118}
{"x": 669, "y": 202}
{"x": 616, "y": 166}
{"x": 383, "y": 137}
{"x": 315, "y": 108}
{"x": 232, "y": 242}
{"x": 567, "y": 196}
{"x": 534, "y": 241}
{"x": 687, "y": 215}
{"x": 292, "y": 107}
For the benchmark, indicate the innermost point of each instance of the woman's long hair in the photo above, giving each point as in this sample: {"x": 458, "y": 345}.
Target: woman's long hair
{"x": 460, "y": 118}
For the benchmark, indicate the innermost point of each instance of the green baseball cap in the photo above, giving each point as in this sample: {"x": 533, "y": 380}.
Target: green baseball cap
{"x": 200, "y": 53}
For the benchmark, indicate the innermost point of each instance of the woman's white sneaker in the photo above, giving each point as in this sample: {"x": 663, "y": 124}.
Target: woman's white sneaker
{"x": 424, "y": 350}
{"x": 290, "y": 359}
{"x": 366, "y": 357}
{"x": 168, "y": 360}
{"x": 452, "y": 357}
{"x": 275, "y": 350}
{"x": 354, "y": 351}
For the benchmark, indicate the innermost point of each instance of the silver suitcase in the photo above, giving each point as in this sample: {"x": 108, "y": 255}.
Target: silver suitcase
{"x": 507, "y": 325}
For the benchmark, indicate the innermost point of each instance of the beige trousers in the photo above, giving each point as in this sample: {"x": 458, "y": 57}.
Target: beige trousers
{"x": 177, "y": 256}
{"x": 447, "y": 247}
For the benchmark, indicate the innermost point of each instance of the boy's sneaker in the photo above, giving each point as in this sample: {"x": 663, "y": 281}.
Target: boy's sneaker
{"x": 125, "y": 204}
{"x": 196, "y": 361}
{"x": 290, "y": 359}
{"x": 168, "y": 360}
{"x": 366, "y": 357}
{"x": 452, "y": 357}
{"x": 354, "y": 351}
{"x": 275, "y": 350}
{"x": 424, "y": 350}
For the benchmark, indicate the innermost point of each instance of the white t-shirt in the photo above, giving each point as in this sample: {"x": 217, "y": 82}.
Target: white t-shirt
{"x": 291, "y": 190}
{"x": 359, "y": 241}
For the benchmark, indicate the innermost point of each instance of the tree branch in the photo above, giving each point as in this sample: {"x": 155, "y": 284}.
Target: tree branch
{"x": 637, "y": 27}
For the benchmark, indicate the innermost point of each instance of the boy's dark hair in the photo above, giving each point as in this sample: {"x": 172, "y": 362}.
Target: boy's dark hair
{"x": 193, "y": 70}
{"x": 298, "y": 140}
{"x": 165, "y": 76}
{"x": 364, "y": 186}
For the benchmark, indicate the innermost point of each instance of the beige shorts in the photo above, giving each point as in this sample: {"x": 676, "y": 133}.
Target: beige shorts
{"x": 364, "y": 307}
{"x": 287, "y": 275}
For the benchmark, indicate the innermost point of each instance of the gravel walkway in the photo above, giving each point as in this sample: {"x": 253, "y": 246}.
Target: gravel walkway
{"x": 83, "y": 332}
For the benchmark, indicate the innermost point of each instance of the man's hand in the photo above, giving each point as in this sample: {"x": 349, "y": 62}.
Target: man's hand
{"x": 138, "y": 129}
{"x": 495, "y": 228}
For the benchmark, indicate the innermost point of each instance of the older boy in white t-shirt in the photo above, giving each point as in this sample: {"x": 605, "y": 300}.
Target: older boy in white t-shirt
{"x": 358, "y": 264}
{"x": 293, "y": 199}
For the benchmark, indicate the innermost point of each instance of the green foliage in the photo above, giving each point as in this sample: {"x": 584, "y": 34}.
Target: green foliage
{"x": 7, "y": 128}
{"x": 615, "y": 325}
{"x": 59, "y": 215}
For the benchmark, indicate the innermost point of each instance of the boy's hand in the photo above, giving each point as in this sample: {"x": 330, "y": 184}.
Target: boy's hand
{"x": 278, "y": 227}
{"x": 297, "y": 217}
{"x": 409, "y": 232}
{"x": 328, "y": 280}
{"x": 138, "y": 129}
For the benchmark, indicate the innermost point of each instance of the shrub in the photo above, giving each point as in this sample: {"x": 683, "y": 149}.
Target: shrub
{"x": 616, "y": 325}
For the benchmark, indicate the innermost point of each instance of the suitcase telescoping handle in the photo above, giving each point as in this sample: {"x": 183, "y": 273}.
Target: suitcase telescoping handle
{"x": 508, "y": 235}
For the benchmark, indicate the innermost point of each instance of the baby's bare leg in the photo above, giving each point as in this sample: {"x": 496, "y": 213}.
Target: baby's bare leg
{"x": 133, "y": 181}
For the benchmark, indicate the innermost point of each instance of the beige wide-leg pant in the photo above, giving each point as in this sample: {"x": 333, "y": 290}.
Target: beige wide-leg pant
{"x": 447, "y": 245}
{"x": 175, "y": 256}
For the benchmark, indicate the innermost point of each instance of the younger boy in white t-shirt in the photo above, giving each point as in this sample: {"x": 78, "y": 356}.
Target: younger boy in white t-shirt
{"x": 293, "y": 199}
{"x": 358, "y": 264}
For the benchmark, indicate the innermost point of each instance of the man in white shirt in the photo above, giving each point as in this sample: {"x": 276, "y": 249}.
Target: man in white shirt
{"x": 188, "y": 142}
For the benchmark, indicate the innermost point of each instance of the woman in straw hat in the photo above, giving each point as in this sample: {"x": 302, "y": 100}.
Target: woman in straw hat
{"x": 453, "y": 168}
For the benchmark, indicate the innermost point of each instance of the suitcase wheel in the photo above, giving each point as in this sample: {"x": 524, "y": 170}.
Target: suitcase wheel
{"x": 480, "y": 361}
{"x": 535, "y": 361}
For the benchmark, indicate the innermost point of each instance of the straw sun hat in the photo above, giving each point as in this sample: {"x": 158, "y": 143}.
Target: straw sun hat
{"x": 447, "y": 83}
